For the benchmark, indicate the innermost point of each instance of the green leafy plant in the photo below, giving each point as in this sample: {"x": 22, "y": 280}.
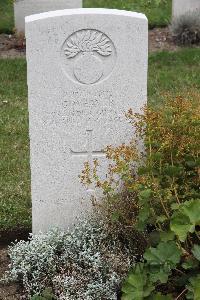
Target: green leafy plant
{"x": 159, "y": 296}
{"x": 194, "y": 288}
{"x": 46, "y": 295}
{"x": 137, "y": 285}
{"x": 185, "y": 219}
{"x": 162, "y": 259}
{"x": 163, "y": 197}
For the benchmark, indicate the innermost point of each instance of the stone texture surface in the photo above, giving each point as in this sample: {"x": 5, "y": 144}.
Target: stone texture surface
{"x": 180, "y": 7}
{"x": 23, "y": 8}
{"x": 86, "y": 68}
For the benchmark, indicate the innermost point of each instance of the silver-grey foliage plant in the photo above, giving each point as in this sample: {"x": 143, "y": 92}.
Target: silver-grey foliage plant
{"x": 84, "y": 264}
{"x": 186, "y": 28}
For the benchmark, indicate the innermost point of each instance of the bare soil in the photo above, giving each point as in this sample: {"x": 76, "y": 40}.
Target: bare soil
{"x": 10, "y": 291}
{"x": 7, "y": 291}
{"x": 12, "y": 46}
{"x": 161, "y": 39}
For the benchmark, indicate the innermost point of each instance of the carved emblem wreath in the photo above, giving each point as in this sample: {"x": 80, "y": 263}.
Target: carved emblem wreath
{"x": 87, "y": 47}
{"x": 88, "y": 41}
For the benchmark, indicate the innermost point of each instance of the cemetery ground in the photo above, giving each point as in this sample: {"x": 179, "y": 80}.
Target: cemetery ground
{"x": 157, "y": 15}
{"x": 169, "y": 72}
{"x": 160, "y": 39}
{"x": 174, "y": 73}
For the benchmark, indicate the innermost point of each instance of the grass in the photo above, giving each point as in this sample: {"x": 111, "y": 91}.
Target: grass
{"x": 168, "y": 72}
{"x": 158, "y": 15}
{"x": 173, "y": 72}
{"x": 15, "y": 202}
{"x": 6, "y": 16}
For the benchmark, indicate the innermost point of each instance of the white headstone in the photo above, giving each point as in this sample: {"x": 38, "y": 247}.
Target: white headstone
{"x": 181, "y": 7}
{"x": 86, "y": 68}
{"x": 23, "y": 8}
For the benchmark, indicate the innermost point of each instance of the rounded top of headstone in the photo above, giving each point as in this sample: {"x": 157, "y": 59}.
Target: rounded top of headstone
{"x": 84, "y": 11}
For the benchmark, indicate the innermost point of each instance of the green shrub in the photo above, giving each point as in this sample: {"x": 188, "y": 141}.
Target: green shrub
{"x": 163, "y": 192}
{"x": 186, "y": 28}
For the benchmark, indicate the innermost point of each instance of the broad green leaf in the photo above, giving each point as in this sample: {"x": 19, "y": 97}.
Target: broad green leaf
{"x": 192, "y": 210}
{"x": 164, "y": 253}
{"x": 194, "y": 288}
{"x": 161, "y": 219}
{"x": 190, "y": 263}
{"x": 143, "y": 217}
{"x": 159, "y": 274}
{"x": 167, "y": 236}
{"x": 154, "y": 238}
{"x": 159, "y": 296}
{"x": 185, "y": 219}
{"x": 162, "y": 259}
{"x": 180, "y": 224}
{"x": 196, "y": 252}
{"x": 137, "y": 285}
{"x": 127, "y": 297}
{"x": 144, "y": 213}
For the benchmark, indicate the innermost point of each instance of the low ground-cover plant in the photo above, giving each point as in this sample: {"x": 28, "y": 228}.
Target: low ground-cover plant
{"x": 163, "y": 198}
{"x": 186, "y": 28}
{"x": 82, "y": 264}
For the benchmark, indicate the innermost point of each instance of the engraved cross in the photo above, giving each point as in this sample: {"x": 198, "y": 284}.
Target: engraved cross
{"x": 89, "y": 153}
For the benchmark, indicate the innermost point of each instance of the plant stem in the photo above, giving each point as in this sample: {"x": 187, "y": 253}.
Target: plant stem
{"x": 176, "y": 195}
{"x": 162, "y": 203}
{"x": 179, "y": 271}
{"x": 185, "y": 290}
{"x": 197, "y": 235}
{"x": 183, "y": 249}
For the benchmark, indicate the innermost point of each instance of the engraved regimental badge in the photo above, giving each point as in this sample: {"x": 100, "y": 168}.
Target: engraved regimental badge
{"x": 89, "y": 56}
